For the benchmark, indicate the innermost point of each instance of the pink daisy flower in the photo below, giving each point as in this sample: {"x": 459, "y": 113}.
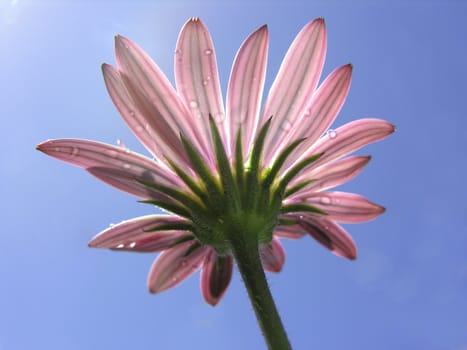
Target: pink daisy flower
{"x": 217, "y": 171}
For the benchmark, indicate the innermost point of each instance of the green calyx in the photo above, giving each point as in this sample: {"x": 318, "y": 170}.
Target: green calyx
{"x": 233, "y": 200}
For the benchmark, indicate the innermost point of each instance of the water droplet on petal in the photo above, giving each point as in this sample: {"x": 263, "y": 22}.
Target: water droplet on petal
{"x": 208, "y": 51}
{"x": 120, "y": 246}
{"x": 75, "y": 151}
{"x": 138, "y": 128}
{"x": 332, "y": 134}
{"x": 325, "y": 200}
{"x": 132, "y": 244}
{"x": 219, "y": 117}
{"x": 208, "y": 78}
{"x": 112, "y": 153}
{"x": 286, "y": 125}
{"x": 205, "y": 82}
{"x": 127, "y": 166}
{"x": 193, "y": 104}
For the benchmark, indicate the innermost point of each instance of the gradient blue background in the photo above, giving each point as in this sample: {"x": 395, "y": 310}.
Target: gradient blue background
{"x": 407, "y": 289}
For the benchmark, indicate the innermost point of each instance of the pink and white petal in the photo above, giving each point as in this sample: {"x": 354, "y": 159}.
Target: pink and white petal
{"x": 289, "y": 231}
{"x": 174, "y": 265}
{"x": 348, "y": 138}
{"x": 134, "y": 235}
{"x": 87, "y": 154}
{"x": 330, "y": 175}
{"x": 197, "y": 78}
{"x": 151, "y": 89}
{"x": 273, "y": 256}
{"x": 144, "y": 121}
{"x": 215, "y": 276}
{"x": 322, "y": 110}
{"x": 345, "y": 207}
{"x": 125, "y": 181}
{"x": 168, "y": 138}
{"x": 294, "y": 85}
{"x": 245, "y": 89}
{"x": 330, "y": 235}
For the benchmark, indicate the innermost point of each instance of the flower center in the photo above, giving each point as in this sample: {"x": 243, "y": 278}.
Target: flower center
{"x": 234, "y": 201}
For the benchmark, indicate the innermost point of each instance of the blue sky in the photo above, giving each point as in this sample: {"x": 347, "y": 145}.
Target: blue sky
{"x": 407, "y": 288}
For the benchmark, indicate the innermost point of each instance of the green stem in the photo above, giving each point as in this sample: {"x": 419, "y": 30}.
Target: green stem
{"x": 248, "y": 260}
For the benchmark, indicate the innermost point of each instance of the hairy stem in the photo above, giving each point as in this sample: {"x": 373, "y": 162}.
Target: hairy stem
{"x": 248, "y": 260}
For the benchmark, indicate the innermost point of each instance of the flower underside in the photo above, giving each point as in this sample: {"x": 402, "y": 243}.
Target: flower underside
{"x": 234, "y": 178}
{"x": 241, "y": 197}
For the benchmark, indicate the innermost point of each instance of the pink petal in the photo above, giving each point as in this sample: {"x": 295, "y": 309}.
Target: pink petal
{"x": 330, "y": 175}
{"x": 246, "y": 88}
{"x": 349, "y": 138}
{"x": 151, "y": 90}
{"x": 133, "y": 235}
{"x": 323, "y": 108}
{"x": 294, "y": 85}
{"x": 197, "y": 77}
{"x": 174, "y": 265}
{"x": 345, "y": 207}
{"x": 330, "y": 235}
{"x": 289, "y": 231}
{"x": 273, "y": 256}
{"x": 127, "y": 182}
{"x": 87, "y": 154}
{"x": 215, "y": 276}
{"x": 144, "y": 120}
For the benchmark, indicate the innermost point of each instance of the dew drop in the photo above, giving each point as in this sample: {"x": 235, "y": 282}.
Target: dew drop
{"x": 127, "y": 166}
{"x": 325, "y": 200}
{"x": 207, "y": 51}
{"x": 332, "y": 134}
{"x": 205, "y": 82}
{"x": 286, "y": 125}
{"x": 138, "y": 128}
{"x": 120, "y": 246}
{"x": 208, "y": 78}
{"x": 132, "y": 244}
{"x": 307, "y": 113}
{"x": 219, "y": 117}
{"x": 240, "y": 118}
{"x": 111, "y": 153}
{"x": 193, "y": 104}
{"x": 75, "y": 151}
{"x": 178, "y": 54}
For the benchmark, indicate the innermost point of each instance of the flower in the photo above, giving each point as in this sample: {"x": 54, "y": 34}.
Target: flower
{"x": 222, "y": 172}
